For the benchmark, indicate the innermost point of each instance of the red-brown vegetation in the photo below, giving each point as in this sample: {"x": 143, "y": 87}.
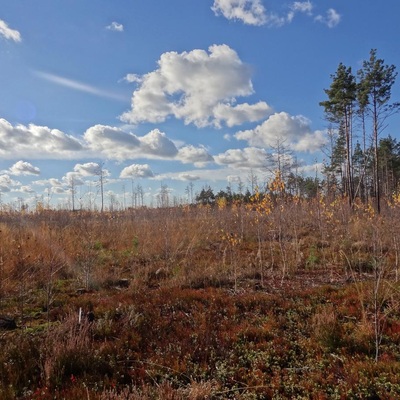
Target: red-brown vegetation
{"x": 285, "y": 298}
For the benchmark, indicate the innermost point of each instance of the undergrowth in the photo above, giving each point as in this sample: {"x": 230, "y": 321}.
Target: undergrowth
{"x": 280, "y": 299}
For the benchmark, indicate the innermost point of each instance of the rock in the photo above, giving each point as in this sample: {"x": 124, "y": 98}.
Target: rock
{"x": 7, "y": 323}
{"x": 123, "y": 283}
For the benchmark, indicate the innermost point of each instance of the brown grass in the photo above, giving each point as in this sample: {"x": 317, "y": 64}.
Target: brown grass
{"x": 201, "y": 302}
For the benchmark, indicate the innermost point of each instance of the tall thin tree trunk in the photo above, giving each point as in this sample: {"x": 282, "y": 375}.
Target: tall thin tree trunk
{"x": 376, "y": 163}
{"x": 350, "y": 189}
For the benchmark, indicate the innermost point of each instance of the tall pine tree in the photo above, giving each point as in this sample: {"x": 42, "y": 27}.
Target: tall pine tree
{"x": 375, "y": 85}
{"x": 342, "y": 96}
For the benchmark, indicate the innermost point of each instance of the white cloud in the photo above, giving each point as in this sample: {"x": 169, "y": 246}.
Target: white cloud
{"x": 116, "y": 144}
{"x": 238, "y": 114}
{"x": 90, "y": 169}
{"x": 26, "y": 189}
{"x": 52, "y": 186}
{"x": 132, "y": 78}
{"x": 35, "y": 142}
{"x": 192, "y": 86}
{"x": 251, "y": 12}
{"x": 6, "y": 183}
{"x": 311, "y": 169}
{"x": 294, "y": 131}
{"x": 209, "y": 175}
{"x": 58, "y": 190}
{"x": 41, "y": 142}
{"x": 156, "y": 143}
{"x": 115, "y": 26}
{"x": 250, "y": 157}
{"x": 48, "y": 182}
{"x": 302, "y": 6}
{"x": 79, "y": 86}
{"x": 137, "y": 171}
{"x": 331, "y": 19}
{"x": 8, "y": 33}
{"x": 311, "y": 142}
{"x": 198, "y": 156}
{"x": 24, "y": 168}
{"x": 179, "y": 176}
{"x": 299, "y": 7}
{"x": 72, "y": 179}
{"x": 111, "y": 141}
{"x": 188, "y": 177}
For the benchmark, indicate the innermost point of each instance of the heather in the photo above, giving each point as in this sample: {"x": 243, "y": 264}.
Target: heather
{"x": 277, "y": 297}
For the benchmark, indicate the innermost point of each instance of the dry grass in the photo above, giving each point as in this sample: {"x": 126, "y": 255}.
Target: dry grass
{"x": 200, "y": 302}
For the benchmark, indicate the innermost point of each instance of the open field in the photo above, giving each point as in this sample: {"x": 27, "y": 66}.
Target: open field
{"x": 279, "y": 298}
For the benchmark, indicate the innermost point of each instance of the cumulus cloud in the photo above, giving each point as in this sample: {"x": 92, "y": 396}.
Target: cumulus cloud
{"x": 6, "y": 183}
{"x": 57, "y": 190}
{"x": 115, "y": 26}
{"x": 295, "y": 131}
{"x": 233, "y": 178}
{"x": 26, "y": 189}
{"x": 35, "y": 142}
{"x": 73, "y": 179}
{"x": 117, "y": 144}
{"x": 24, "y": 168}
{"x": 90, "y": 169}
{"x": 250, "y": 157}
{"x": 8, "y": 33}
{"x": 137, "y": 171}
{"x": 53, "y": 182}
{"x": 198, "y": 156}
{"x": 53, "y": 185}
{"x": 110, "y": 140}
{"x": 41, "y": 142}
{"x": 311, "y": 142}
{"x": 192, "y": 86}
{"x": 312, "y": 169}
{"x": 238, "y": 114}
{"x": 156, "y": 143}
{"x": 331, "y": 19}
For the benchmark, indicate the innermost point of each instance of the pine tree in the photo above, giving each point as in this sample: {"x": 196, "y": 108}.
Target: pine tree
{"x": 376, "y": 83}
{"x": 389, "y": 156}
{"x": 359, "y": 170}
{"x": 339, "y": 109}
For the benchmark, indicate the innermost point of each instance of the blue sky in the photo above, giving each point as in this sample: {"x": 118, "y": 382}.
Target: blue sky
{"x": 171, "y": 92}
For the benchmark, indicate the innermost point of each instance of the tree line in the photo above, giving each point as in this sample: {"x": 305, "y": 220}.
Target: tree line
{"x": 294, "y": 185}
{"x": 360, "y": 163}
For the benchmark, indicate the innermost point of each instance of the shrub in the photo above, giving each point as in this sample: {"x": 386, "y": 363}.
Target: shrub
{"x": 327, "y": 329}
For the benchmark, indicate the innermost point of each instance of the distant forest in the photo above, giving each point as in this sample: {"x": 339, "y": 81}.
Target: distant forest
{"x": 360, "y": 163}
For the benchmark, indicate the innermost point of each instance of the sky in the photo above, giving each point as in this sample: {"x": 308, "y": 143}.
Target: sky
{"x": 178, "y": 94}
